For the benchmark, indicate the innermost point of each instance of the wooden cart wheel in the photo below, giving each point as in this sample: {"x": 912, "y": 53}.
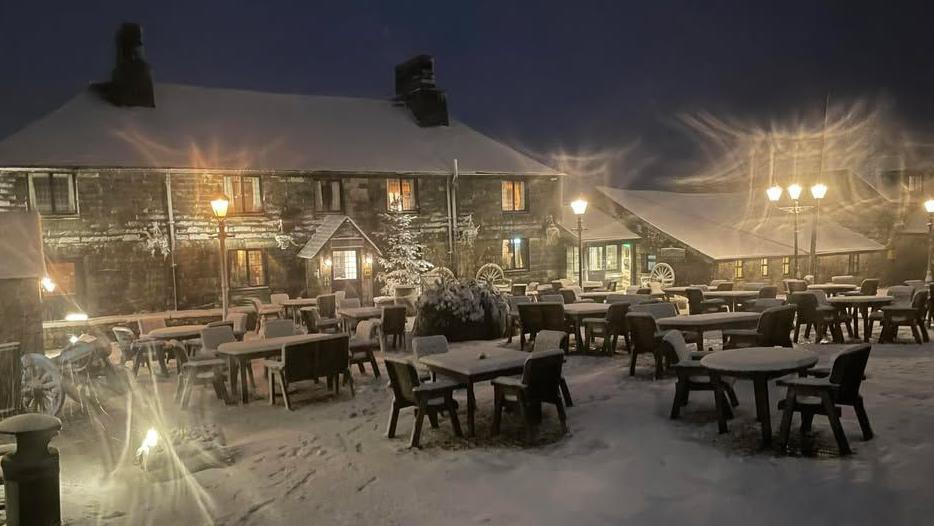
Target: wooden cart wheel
{"x": 664, "y": 274}
{"x": 491, "y": 273}
{"x": 42, "y": 390}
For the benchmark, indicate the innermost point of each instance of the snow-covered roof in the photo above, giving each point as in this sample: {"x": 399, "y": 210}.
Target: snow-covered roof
{"x": 734, "y": 226}
{"x": 326, "y": 230}
{"x": 212, "y": 128}
{"x": 598, "y": 226}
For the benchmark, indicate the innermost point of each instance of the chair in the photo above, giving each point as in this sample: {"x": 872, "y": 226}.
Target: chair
{"x": 540, "y": 383}
{"x": 309, "y": 360}
{"x": 568, "y": 296}
{"x": 692, "y": 376}
{"x": 262, "y": 314}
{"x": 610, "y": 327}
{"x": 277, "y": 299}
{"x": 724, "y": 285}
{"x": 763, "y": 304}
{"x": 327, "y": 309}
{"x": 315, "y": 323}
{"x": 393, "y": 323}
{"x": 535, "y": 317}
{"x": 644, "y": 290}
{"x": 221, "y": 323}
{"x": 361, "y": 344}
{"x": 518, "y": 289}
{"x": 768, "y": 292}
{"x": 350, "y": 303}
{"x": 773, "y": 330}
{"x": 204, "y": 367}
{"x": 902, "y": 296}
{"x": 278, "y": 328}
{"x": 547, "y": 340}
{"x": 847, "y": 280}
{"x": 698, "y": 305}
{"x": 339, "y": 296}
{"x": 631, "y": 299}
{"x": 868, "y": 287}
{"x": 125, "y": 339}
{"x": 795, "y": 285}
{"x": 424, "y": 346}
{"x": 513, "y": 322}
{"x": 644, "y": 338}
{"x": 147, "y": 347}
{"x": 239, "y": 320}
{"x": 824, "y": 396}
{"x": 657, "y": 310}
{"x": 427, "y": 398}
{"x": 912, "y": 316}
{"x": 552, "y": 298}
{"x": 150, "y": 323}
{"x": 810, "y": 315}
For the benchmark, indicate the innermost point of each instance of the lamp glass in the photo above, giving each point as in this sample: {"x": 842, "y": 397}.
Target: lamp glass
{"x": 929, "y": 206}
{"x": 818, "y": 191}
{"x": 774, "y": 193}
{"x": 794, "y": 191}
{"x": 219, "y": 206}
{"x": 579, "y": 206}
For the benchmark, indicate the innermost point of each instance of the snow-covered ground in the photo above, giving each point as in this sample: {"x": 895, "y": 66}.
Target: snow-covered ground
{"x": 624, "y": 461}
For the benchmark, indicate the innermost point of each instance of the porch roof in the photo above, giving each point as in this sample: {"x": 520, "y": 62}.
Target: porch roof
{"x": 326, "y": 230}
{"x": 598, "y": 226}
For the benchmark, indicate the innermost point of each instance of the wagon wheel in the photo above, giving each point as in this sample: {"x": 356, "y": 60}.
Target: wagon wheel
{"x": 491, "y": 273}
{"x": 41, "y": 385}
{"x": 664, "y": 274}
{"x": 439, "y": 276}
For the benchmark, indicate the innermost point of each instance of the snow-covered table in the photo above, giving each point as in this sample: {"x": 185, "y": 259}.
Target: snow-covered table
{"x": 833, "y": 288}
{"x": 575, "y": 312}
{"x": 597, "y": 296}
{"x": 292, "y": 305}
{"x": 860, "y": 306}
{"x": 177, "y": 332}
{"x": 714, "y": 321}
{"x": 759, "y": 364}
{"x": 356, "y": 314}
{"x": 732, "y": 296}
{"x": 475, "y": 365}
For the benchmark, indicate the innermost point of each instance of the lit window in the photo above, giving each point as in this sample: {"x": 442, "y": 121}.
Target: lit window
{"x": 328, "y": 196}
{"x": 650, "y": 262}
{"x": 915, "y": 183}
{"x": 514, "y": 198}
{"x": 764, "y": 267}
{"x": 738, "y": 269}
{"x": 572, "y": 261}
{"x": 853, "y": 264}
{"x": 400, "y": 195}
{"x": 344, "y": 264}
{"x": 612, "y": 257}
{"x": 64, "y": 276}
{"x": 786, "y": 265}
{"x": 245, "y": 192}
{"x": 515, "y": 253}
{"x": 247, "y": 268}
{"x": 595, "y": 258}
{"x": 53, "y": 194}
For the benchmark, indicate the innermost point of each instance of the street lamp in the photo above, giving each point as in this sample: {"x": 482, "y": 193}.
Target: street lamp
{"x": 579, "y": 206}
{"x": 219, "y": 206}
{"x": 818, "y": 191}
{"x": 794, "y": 190}
{"x": 929, "y": 208}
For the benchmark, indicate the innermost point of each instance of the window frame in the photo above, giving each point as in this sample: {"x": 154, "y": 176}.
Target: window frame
{"x": 786, "y": 265}
{"x": 764, "y": 267}
{"x": 525, "y": 196}
{"x": 235, "y": 209}
{"x": 49, "y": 176}
{"x": 738, "y": 269}
{"x": 649, "y": 261}
{"x": 414, "y": 199}
{"x": 231, "y": 258}
{"x": 525, "y": 250}
{"x": 319, "y": 198}
{"x": 853, "y": 264}
{"x": 356, "y": 267}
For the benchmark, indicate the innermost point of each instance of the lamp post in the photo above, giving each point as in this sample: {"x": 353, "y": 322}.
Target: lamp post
{"x": 579, "y": 206}
{"x": 219, "y": 206}
{"x": 929, "y": 208}
{"x": 818, "y": 191}
{"x": 774, "y": 193}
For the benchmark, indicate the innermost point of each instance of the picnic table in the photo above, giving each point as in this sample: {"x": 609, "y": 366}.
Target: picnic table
{"x": 759, "y": 364}
{"x": 833, "y": 288}
{"x": 292, "y": 306}
{"x": 240, "y": 355}
{"x": 714, "y": 321}
{"x": 732, "y": 295}
{"x": 860, "y": 305}
{"x": 469, "y": 366}
{"x": 576, "y": 312}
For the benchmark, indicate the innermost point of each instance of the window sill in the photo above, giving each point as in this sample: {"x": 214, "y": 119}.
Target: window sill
{"x": 510, "y": 212}
{"x": 59, "y": 216}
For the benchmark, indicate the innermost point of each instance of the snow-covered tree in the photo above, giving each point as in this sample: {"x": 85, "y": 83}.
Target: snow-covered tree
{"x": 403, "y": 260}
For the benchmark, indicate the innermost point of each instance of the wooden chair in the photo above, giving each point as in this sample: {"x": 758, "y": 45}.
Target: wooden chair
{"x": 824, "y": 396}
{"x": 698, "y": 305}
{"x": 146, "y": 347}
{"x": 362, "y": 343}
{"x": 393, "y": 324}
{"x": 204, "y": 367}
{"x": 551, "y": 298}
{"x": 692, "y": 376}
{"x": 314, "y": 323}
{"x": 540, "y": 383}
{"x": 428, "y": 399}
{"x": 547, "y": 340}
{"x": 534, "y": 317}
{"x": 812, "y": 316}
{"x": 327, "y": 312}
{"x": 310, "y": 360}
{"x": 568, "y": 296}
{"x": 773, "y": 330}
{"x": 609, "y": 327}
{"x": 724, "y": 286}
{"x": 126, "y": 340}
{"x": 513, "y": 322}
{"x": 278, "y": 298}
{"x": 913, "y": 316}
{"x": 901, "y": 295}
{"x": 644, "y": 339}
{"x": 868, "y": 287}
{"x": 278, "y": 328}
{"x": 763, "y": 304}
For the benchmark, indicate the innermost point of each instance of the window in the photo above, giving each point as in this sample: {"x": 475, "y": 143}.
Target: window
{"x": 650, "y": 260}
{"x": 64, "y": 275}
{"x": 514, "y": 197}
{"x": 915, "y": 183}
{"x": 53, "y": 194}
{"x": 595, "y": 258}
{"x": 400, "y": 195}
{"x": 786, "y": 265}
{"x": 853, "y": 264}
{"x": 738, "y": 269}
{"x": 247, "y": 268}
{"x": 764, "y": 267}
{"x": 328, "y": 197}
{"x": 572, "y": 261}
{"x": 344, "y": 264}
{"x": 612, "y": 257}
{"x": 516, "y": 253}
{"x": 246, "y": 193}
{"x": 603, "y": 257}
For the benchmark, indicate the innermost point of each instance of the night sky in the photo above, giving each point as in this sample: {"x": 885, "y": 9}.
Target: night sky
{"x": 607, "y": 78}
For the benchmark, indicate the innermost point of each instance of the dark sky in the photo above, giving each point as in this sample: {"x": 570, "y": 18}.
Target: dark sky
{"x": 549, "y": 76}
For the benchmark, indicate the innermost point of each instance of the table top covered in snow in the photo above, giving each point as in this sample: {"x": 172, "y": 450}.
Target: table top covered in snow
{"x": 713, "y": 320}
{"x": 266, "y": 345}
{"x": 299, "y": 302}
{"x": 731, "y": 294}
{"x": 860, "y": 300}
{"x": 584, "y": 309}
{"x": 476, "y": 362}
{"x": 772, "y": 360}
{"x": 361, "y": 313}
{"x": 177, "y": 331}
{"x": 833, "y": 287}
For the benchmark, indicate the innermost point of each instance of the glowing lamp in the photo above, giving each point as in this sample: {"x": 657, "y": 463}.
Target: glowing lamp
{"x": 76, "y": 316}
{"x": 327, "y": 262}
{"x": 929, "y": 206}
{"x": 72, "y": 339}
{"x": 579, "y": 206}
{"x": 47, "y": 284}
{"x": 818, "y": 191}
{"x": 794, "y": 191}
{"x": 219, "y": 206}
{"x": 774, "y": 193}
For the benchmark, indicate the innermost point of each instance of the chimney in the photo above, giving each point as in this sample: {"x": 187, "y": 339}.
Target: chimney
{"x": 131, "y": 80}
{"x": 415, "y": 87}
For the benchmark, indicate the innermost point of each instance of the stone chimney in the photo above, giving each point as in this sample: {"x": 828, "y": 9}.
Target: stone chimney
{"x": 131, "y": 80}
{"x": 415, "y": 87}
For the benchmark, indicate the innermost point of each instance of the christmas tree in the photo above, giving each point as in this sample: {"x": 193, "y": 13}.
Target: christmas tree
{"x": 403, "y": 259}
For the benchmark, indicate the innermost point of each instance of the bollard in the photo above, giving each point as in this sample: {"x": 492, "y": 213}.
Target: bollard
{"x": 30, "y": 473}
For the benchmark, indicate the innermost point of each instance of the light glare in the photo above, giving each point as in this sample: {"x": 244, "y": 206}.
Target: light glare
{"x": 794, "y": 191}
{"x": 774, "y": 193}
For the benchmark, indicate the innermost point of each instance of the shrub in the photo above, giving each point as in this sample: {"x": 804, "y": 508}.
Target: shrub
{"x": 461, "y": 310}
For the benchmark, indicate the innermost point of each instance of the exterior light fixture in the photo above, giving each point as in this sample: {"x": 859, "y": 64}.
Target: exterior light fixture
{"x": 579, "y": 206}
{"x": 794, "y": 191}
{"x": 774, "y": 193}
{"x": 219, "y": 206}
{"x": 47, "y": 284}
{"x": 929, "y": 206}
{"x": 818, "y": 191}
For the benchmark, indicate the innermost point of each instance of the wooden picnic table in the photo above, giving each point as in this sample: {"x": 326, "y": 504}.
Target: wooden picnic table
{"x": 699, "y": 323}
{"x": 759, "y": 364}
{"x": 469, "y": 366}
{"x": 240, "y": 355}
{"x": 575, "y": 312}
{"x": 860, "y": 305}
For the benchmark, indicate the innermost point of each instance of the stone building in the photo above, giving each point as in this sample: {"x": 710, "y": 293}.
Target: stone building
{"x": 123, "y": 173}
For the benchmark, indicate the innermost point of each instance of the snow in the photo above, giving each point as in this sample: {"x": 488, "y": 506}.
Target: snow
{"x": 598, "y": 226}
{"x": 737, "y": 225}
{"x": 214, "y": 128}
{"x": 329, "y": 462}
